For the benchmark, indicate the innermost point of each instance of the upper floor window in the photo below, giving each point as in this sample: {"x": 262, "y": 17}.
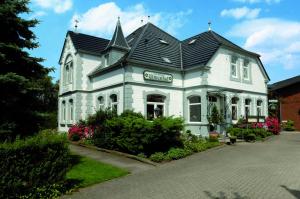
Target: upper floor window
{"x": 114, "y": 102}
{"x": 247, "y": 107}
{"x": 155, "y": 106}
{"x": 246, "y": 74}
{"x": 101, "y": 103}
{"x": 234, "y": 108}
{"x": 233, "y": 66}
{"x": 195, "y": 108}
{"x": 68, "y": 71}
{"x": 259, "y": 107}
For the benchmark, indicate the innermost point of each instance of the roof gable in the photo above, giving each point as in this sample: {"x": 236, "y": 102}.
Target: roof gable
{"x": 284, "y": 83}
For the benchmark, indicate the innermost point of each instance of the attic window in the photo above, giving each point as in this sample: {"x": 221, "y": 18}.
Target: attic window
{"x": 192, "y": 41}
{"x": 166, "y": 59}
{"x": 130, "y": 40}
{"x": 163, "y": 41}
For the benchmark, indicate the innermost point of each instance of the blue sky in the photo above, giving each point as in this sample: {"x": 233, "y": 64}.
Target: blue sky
{"x": 268, "y": 27}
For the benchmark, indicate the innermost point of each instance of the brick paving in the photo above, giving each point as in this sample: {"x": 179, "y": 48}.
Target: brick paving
{"x": 269, "y": 169}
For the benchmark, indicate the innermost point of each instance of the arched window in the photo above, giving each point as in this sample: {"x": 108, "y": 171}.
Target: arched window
{"x": 234, "y": 108}
{"x": 247, "y": 107}
{"x": 195, "y": 109}
{"x": 259, "y": 107}
{"x": 155, "y": 106}
{"x": 101, "y": 104}
{"x": 63, "y": 111}
{"x": 114, "y": 102}
{"x": 68, "y": 70}
{"x": 71, "y": 110}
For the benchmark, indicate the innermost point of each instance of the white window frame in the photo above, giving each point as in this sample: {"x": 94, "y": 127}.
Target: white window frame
{"x": 155, "y": 104}
{"x": 112, "y": 104}
{"x": 248, "y": 106}
{"x": 259, "y": 107}
{"x": 234, "y": 65}
{"x": 101, "y": 106}
{"x": 236, "y": 107}
{"x": 106, "y": 60}
{"x": 68, "y": 71}
{"x": 194, "y": 104}
{"x": 246, "y": 67}
{"x": 63, "y": 111}
{"x": 71, "y": 110}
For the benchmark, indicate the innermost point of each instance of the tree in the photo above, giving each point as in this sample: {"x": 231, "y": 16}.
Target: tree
{"x": 22, "y": 77}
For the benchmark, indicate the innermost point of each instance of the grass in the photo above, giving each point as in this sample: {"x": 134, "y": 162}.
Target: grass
{"x": 88, "y": 171}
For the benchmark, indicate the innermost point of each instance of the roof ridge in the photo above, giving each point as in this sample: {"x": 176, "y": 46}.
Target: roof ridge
{"x": 164, "y": 31}
{"x": 70, "y": 31}
{"x": 138, "y": 40}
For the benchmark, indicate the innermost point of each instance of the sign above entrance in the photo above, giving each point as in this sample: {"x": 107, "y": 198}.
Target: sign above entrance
{"x": 161, "y": 77}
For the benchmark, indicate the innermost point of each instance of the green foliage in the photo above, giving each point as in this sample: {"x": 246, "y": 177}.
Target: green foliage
{"x": 250, "y": 137}
{"x": 35, "y": 162}
{"x": 134, "y": 134}
{"x": 100, "y": 117}
{"x": 131, "y": 113}
{"x": 288, "y": 126}
{"x": 178, "y": 153}
{"x": 26, "y": 89}
{"x": 242, "y": 133}
{"x": 157, "y": 157}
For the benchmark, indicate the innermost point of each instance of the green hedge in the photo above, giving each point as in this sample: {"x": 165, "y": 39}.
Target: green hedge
{"x": 35, "y": 162}
{"x": 244, "y": 133}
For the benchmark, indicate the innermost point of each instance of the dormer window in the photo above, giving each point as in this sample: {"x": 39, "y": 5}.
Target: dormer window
{"x": 68, "y": 71}
{"x": 162, "y": 41}
{"x": 166, "y": 59}
{"x": 192, "y": 41}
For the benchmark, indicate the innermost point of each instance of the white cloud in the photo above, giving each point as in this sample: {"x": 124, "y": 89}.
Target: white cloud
{"x": 277, "y": 40}
{"x": 37, "y": 14}
{"x": 243, "y": 12}
{"x": 58, "y": 6}
{"x": 258, "y": 1}
{"x": 101, "y": 20}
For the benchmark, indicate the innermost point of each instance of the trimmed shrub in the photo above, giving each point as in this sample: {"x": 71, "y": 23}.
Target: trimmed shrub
{"x": 178, "y": 153}
{"x": 288, "y": 126}
{"x": 35, "y": 162}
{"x": 157, "y": 157}
{"x": 250, "y": 137}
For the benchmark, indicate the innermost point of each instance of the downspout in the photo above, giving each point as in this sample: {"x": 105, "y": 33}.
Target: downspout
{"x": 123, "y": 86}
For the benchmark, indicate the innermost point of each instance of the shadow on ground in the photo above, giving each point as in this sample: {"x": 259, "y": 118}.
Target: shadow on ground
{"x": 295, "y": 193}
{"x": 223, "y": 195}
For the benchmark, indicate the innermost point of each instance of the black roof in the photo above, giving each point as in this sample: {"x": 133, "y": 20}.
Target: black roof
{"x": 88, "y": 43}
{"x": 151, "y": 45}
{"x": 284, "y": 83}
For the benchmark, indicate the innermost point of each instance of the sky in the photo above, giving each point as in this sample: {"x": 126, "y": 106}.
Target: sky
{"x": 270, "y": 28}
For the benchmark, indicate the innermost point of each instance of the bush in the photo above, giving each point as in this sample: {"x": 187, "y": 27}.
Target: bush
{"x": 135, "y": 134}
{"x": 157, "y": 157}
{"x": 100, "y": 117}
{"x": 77, "y": 132}
{"x": 35, "y": 162}
{"x": 288, "y": 126}
{"x": 178, "y": 153}
{"x": 273, "y": 125}
{"x": 250, "y": 137}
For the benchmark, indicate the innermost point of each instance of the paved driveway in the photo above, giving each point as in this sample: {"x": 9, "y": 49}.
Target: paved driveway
{"x": 268, "y": 169}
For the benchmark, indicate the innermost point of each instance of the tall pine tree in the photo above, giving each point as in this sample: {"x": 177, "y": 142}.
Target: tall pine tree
{"x": 22, "y": 77}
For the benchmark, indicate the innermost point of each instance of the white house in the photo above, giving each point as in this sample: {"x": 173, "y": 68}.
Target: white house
{"x": 152, "y": 72}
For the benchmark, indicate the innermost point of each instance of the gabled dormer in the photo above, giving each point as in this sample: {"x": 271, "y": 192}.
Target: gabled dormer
{"x": 116, "y": 48}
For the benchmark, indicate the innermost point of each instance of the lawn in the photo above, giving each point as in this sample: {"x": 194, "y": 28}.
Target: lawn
{"x": 88, "y": 171}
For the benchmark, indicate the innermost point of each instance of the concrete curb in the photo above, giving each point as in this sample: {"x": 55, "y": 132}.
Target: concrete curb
{"x": 116, "y": 153}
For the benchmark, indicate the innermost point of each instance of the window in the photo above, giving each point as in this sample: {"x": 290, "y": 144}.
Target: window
{"x": 234, "y": 104}
{"x": 155, "y": 106}
{"x": 162, "y": 41}
{"x": 106, "y": 58}
{"x": 101, "y": 103}
{"x": 114, "y": 102}
{"x": 234, "y": 66}
{"x": 247, "y": 107}
{"x": 71, "y": 110}
{"x": 195, "y": 108}
{"x": 166, "y": 59}
{"x": 212, "y": 102}
{"x": 63, "y": 111}
{"x": 68, "y": 71}
{"x": 246, "y": 74}
{"x": 192, "y": 41}
{"x": 259, "y": 107}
